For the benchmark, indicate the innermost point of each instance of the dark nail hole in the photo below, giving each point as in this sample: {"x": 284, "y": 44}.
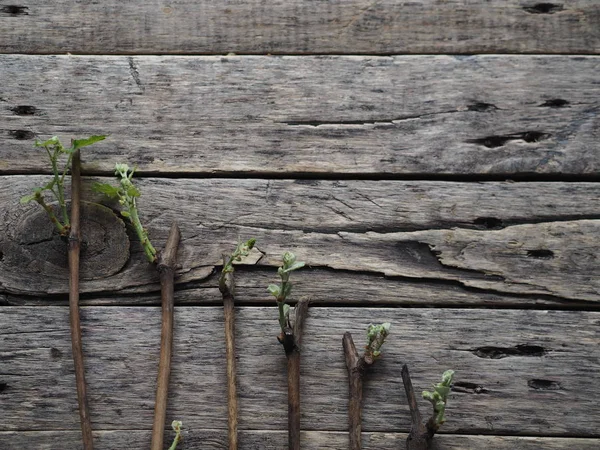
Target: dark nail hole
{"x": 555, "y": 103}
{"x": 56, "y": 353}
{"x": 540, "y": 254}
{"x": 1, "y": 256}
{"x": 24, "y": 110}
{"x": 534, "y": 136}
{"x": 544, "y": 8}
{"x": 544, "y": 385}
{"x": 15, "y": 10}
{"x": 481, "y": 106}
{"x": 3, "y": 387}
{"x": 499, "y": 141}
{"x": 489, "y": 223}
{"x": 468, "y": 388}
{"x": 21, "y": 135}
{"x": 491, "y": 352}
{"x": 491, "y": 141}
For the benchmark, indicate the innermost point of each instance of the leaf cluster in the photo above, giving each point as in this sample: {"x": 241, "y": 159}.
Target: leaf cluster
{"x": 376, "y": 335}
{"x": 439, "y": 396}
{"x": 283, "y": 290}
{"x": 241, "y": 251}
{"x": 56, "y": 153}
{"x": 127, "y": 193}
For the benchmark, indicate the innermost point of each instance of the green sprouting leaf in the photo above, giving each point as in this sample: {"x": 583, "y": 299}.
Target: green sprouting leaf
{"x": 274, "y": 290}
{"x": 52, "y": 141}
{"x": 27, "y": 198}
{"x": 442, "y": 390}
{"x": 125, "y": 214}
{"x": 297, "y": 265}
{"x": 250, "y": 243}
{"x": 78, "y": 143}
{"x": 49, "y": 186}
{"x": 287, "y": 290}
{"x": 132, "y": 191}
{"x": 288, "y": 259}
{"x": 286, "y": 311}
{"x": 121, "y": 170}
{"x": 447, "y": 377}
{"x": 106, "y": 189}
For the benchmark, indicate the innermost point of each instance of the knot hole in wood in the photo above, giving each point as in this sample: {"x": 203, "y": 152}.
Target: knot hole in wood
{"x": 37, "y": 245}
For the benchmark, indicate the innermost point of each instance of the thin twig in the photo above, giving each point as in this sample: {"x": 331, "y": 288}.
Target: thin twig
{"x": 357, "y": 366}
{"x": 166, "y": 268}
{"x": 356, "y": 371}
{"x": 74, "y": 251}
{"x": 291, "y": 341}
{"x": 419, "y": 437}
{"x": 227, "y": 288}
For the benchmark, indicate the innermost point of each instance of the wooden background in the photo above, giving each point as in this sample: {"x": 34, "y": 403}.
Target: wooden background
{"x": 434, "y": 162}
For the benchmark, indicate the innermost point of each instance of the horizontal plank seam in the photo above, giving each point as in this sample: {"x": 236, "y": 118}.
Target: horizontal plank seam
{"x": 344, "y": 176}
{"x": 315, "y": 304}
{"x": 304, "y": 54}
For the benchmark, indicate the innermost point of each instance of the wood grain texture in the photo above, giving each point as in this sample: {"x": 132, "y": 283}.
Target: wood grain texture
{"x": 301, "y": 26}
{"x": 385, "y": 116}
{"x": 462, "y": 234}
{"x": 517, "y": 372}
{"x": 275, "y": 440}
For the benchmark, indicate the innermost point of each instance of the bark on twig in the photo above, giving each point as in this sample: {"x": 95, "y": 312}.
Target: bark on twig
{"x": 356, "y": 366}
{"x": 76, "y": 342}
{"x": 291, "y": 339}
{"x": 166, "y": 267}
{"x": 419, "y": 437}
{"x": 227, "y": 288}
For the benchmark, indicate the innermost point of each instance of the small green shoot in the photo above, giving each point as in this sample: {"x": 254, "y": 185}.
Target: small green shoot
{"x": 56, "y": 153}
{"x": 439, "y": 397}
{"x": 376, "y": 335}
{"x": 126, "y": 193}
{"x": 282, "y": 291}
{"x": 242, "y": 250}
{"x": 176, "y": 424}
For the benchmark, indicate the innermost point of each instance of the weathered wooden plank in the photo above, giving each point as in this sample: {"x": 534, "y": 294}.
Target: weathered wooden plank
{"x": 384, "y": 116}
{"x": 302, "y": 26}
{"x": 276, "y": 440}
{"x": 517, "y": 238}
{"x": 513, "y": 367}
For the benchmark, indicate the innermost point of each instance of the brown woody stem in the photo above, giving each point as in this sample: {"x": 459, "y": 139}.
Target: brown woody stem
{"x": 419, "y": 437}
{"x": 166, "y": 268}
{"x": 76, "y": 342}
{"x": 356, "y": 367}
{"x": 227, "y": 288}
{"x": 291, "y": 339}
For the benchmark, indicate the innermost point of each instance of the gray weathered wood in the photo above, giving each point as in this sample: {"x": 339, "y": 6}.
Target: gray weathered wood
{"x": 517, "y": 372}
{"x": 276, "y": 440}
{"x": 519, "y": 238}
{"x": 404, "y": 115}
{"x": 301, "y": 26}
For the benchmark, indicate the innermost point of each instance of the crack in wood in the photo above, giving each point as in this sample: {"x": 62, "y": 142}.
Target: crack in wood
{"x": 135, "y": 74}
{"x": 392, "y": 121}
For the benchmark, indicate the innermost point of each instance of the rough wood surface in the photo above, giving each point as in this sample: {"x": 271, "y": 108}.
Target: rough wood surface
{"x": 301, "y": 26}
{"x": 384, "y": 116}
{"x": 275, "y": 440}
{"x": 517, "y": 371}
{"x": 545, "y": 244}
